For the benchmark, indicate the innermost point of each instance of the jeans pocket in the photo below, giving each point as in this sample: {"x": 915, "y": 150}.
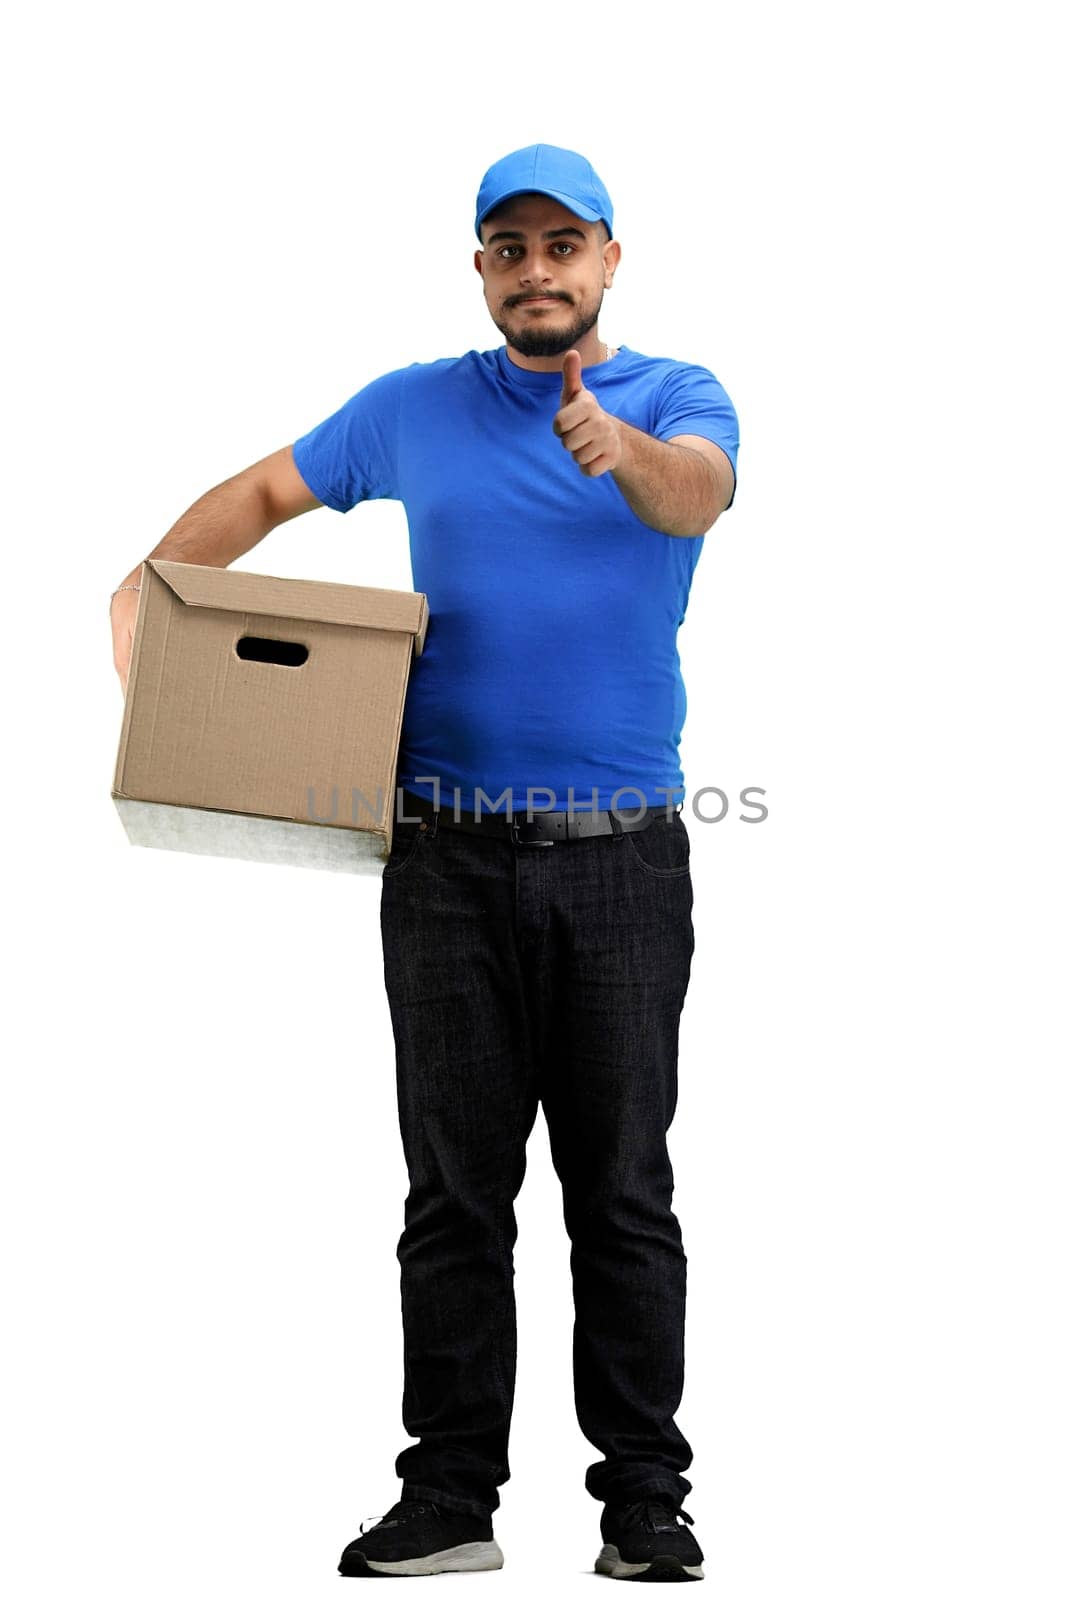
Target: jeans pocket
{"x": 406, "y": 841}
{"x": 661, "y": 849}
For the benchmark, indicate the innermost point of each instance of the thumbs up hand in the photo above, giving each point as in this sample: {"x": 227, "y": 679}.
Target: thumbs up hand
{"x": 593, "y": 437}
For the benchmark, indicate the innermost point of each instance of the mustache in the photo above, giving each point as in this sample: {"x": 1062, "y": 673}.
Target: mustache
{"x": 521, "y": 299}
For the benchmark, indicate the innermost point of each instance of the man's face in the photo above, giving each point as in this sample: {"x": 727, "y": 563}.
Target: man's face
{"x": 544, "y": 272}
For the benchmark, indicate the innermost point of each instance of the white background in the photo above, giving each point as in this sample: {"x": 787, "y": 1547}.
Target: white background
{"x": 223, "y": 220}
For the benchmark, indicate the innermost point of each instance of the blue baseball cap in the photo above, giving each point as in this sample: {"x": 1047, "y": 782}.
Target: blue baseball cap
{"x": 545, "y": 169}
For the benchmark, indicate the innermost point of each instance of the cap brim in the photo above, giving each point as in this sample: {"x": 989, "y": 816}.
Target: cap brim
{"x": 585, "y": 212}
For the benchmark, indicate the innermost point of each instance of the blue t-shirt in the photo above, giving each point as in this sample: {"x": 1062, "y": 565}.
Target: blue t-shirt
{"x": 551, "y": 661}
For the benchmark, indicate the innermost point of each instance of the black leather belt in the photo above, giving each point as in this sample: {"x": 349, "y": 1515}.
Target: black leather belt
{"x": 539, "y": 828}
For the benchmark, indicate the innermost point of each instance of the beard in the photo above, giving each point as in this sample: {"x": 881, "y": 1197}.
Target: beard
{"x": 539, "y": 339}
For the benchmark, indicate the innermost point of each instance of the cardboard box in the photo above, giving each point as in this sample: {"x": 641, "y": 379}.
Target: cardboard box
{"x": 263, "y": 715}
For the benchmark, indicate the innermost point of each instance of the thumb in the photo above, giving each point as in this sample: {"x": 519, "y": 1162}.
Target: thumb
{"x": 572, "y": 377}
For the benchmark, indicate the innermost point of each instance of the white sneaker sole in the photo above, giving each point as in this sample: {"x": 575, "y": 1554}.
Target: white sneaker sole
{"x": 484, "y": 1555}
{"x": 611, "y": 1565}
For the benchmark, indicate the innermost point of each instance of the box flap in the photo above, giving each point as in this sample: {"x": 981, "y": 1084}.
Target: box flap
{"x": 300, "y": 599}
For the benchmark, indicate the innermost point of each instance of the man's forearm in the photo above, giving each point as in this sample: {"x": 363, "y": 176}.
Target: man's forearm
{"x": 669, "y": 486}
{"x": 223, "y": 524}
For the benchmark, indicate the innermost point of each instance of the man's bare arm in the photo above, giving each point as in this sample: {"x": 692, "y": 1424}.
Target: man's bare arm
{"x": 223, "y": 524}
{"x": 230, "y": 519}
{"x": 678, "y": 486}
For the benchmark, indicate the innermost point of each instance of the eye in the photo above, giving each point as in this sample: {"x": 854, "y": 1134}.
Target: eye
{"x": 563, "y": 245}
{"x": 503, "y": 251}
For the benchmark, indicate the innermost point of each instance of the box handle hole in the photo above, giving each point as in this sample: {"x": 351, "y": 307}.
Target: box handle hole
{"x": 281, "y": 652}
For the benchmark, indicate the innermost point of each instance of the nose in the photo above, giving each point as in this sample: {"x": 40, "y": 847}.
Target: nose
{"x": 536, "y": 268}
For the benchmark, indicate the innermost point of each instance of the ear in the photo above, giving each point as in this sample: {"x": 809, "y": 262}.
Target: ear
{"x": 610, "y": 257}
{"x": 478, "y": 263}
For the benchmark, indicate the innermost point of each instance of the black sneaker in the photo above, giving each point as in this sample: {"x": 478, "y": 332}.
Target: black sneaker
{"x": 417, "y": 1538}
{"x": 644, "y": 1541}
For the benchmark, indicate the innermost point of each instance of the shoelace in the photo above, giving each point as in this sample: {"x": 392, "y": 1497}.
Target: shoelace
{"x": 403, "y": 1511}
{"x": 659, "y": 1516}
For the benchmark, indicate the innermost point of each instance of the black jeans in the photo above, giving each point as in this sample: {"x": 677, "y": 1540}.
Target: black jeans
{"x": 520, "y": 974}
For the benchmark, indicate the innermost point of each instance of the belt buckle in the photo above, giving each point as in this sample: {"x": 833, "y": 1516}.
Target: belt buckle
{"x": 517, "y": 838}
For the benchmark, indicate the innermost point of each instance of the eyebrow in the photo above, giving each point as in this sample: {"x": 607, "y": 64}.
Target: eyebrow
{"x": 551, "y": 233}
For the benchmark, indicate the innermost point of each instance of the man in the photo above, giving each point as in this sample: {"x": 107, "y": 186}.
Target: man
{"x": 536, "y": 906}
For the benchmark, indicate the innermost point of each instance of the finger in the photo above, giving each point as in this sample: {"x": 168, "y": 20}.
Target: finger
{"x": 581, "y": 437}
{"x": 572, "y": 377}
{"x": 575, "y": 412}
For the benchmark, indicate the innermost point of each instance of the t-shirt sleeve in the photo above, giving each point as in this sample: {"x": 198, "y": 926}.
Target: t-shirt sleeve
{"x": 354, "y": 454}
{"x": 692, "y": 400}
